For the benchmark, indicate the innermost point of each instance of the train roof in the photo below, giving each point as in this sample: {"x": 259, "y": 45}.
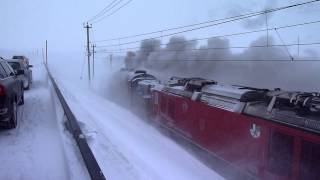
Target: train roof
{"x": 180, "y": 81}
{"x": 132, "y": 74}
{"x": 297, "y": 109}
{"x": 147, "y": 82}
{"x": 186, "y": 86}
{"x": 225, "y": 90}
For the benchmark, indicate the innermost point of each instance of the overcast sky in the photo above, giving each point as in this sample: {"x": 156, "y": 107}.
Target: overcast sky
{"x": 25, "y": 24}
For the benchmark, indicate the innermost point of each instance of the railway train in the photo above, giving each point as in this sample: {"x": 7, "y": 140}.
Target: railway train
{"x": 267, "y": 134}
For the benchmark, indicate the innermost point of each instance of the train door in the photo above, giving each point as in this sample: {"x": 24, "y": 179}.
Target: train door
{"x": 280, "y": 156}
{"x": 185, "y": 116}
{"x": 309, "y": 161}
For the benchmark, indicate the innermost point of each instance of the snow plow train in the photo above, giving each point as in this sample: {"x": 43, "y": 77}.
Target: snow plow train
{"x": 269, "y": 134}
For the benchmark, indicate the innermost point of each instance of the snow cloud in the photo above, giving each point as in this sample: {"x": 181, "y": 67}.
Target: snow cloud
{"x": 268, "y": 67}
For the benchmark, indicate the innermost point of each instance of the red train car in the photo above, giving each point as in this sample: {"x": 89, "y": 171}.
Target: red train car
{"x": 266, "y": 134}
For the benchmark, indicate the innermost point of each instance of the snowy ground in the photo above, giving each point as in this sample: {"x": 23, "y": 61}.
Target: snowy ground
{"x": 39, "y": 148}
{"x": 126, "y": 147}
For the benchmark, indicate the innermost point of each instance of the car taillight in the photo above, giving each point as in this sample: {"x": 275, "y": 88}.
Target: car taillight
{"x": 2, "y": 91}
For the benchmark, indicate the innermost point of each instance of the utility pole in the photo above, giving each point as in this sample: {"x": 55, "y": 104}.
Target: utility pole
{"x": 93, "y": 52}
{"x": 43, "y": 56}
{"x": 47, "y": 52}
{"x": 88, "y": 50}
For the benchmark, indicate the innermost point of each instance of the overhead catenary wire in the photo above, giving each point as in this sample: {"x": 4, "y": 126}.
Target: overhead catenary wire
{"x": 103, "y": 11}
{"x": 222, "y": 48}
{"x": 172, "y": 34}
{"x": 231, "y": 60}
{"x": 225, "y": 60}
{"x": 180, "y": 32}
{"x": 112, "y": 13}
{"x": 198, "y": 39}
{"x": 228, "y": 35}
{"x": 247, "y": 15}
{"x": 165, "y": 30}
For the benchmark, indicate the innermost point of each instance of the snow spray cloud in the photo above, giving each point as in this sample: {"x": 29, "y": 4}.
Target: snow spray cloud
{"x": 212, "y": 61}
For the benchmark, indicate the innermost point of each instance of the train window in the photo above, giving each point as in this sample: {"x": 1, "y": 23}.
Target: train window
{"x": 280, "y": 153}
{"x": 310, "y": 159}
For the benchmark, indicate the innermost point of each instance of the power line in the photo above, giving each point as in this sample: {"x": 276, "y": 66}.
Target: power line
{"x": 172, "y": 34}
{"x": 103, "y": 11}
{"x": 104, "y": 17}
{"x": 224, "y": 48}
{"x": 113, "y": 6}
{"x": 233, "y": 34}
{"x": 248, "y": 15}
{"x": 233, "y": 60}
{"x": 170, "y": 29}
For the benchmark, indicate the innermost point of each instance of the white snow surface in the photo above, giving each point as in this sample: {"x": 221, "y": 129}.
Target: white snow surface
{"x": 126, "y": 147}
{"x": 39, "y": 148}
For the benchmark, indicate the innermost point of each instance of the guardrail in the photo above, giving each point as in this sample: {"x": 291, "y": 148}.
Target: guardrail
{"x": 74, "y": 128}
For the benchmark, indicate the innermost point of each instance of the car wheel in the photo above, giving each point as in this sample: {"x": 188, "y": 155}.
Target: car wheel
{"x": 14, "y": 116}
{"x": 28, "y": 87}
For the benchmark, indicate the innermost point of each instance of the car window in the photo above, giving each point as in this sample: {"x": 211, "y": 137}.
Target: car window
{"x": 15, "y": 65}
{"x": 25, "y": 65}
{"x": 3, "y": 74}
{"x": 17, "y": 57}
{"x": 11, "y": 69}
{"x": 7, "y": 68}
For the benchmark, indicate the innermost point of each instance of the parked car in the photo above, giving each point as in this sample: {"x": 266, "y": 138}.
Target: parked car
{"x": 11, "y": 95}
{"x": 24, "y": 68}
{"x": 22, "y": 58}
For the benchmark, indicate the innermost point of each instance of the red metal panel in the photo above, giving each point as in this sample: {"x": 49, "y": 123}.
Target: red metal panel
{"x": 227, "y": 134}
{"x": 185, "y": 116}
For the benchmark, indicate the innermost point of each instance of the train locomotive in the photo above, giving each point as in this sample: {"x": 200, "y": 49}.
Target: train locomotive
{"x": 266, "y": 134}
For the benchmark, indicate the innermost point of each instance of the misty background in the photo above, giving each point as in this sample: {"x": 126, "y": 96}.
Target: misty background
{"x": 26, "y": 25}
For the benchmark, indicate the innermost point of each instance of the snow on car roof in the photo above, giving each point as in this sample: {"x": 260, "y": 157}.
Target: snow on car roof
{"x": 14, "y": 60}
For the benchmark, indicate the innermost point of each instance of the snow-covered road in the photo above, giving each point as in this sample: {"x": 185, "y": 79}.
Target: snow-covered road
{"x": 39, "y": 148}
{"x": 125, "y": 146}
